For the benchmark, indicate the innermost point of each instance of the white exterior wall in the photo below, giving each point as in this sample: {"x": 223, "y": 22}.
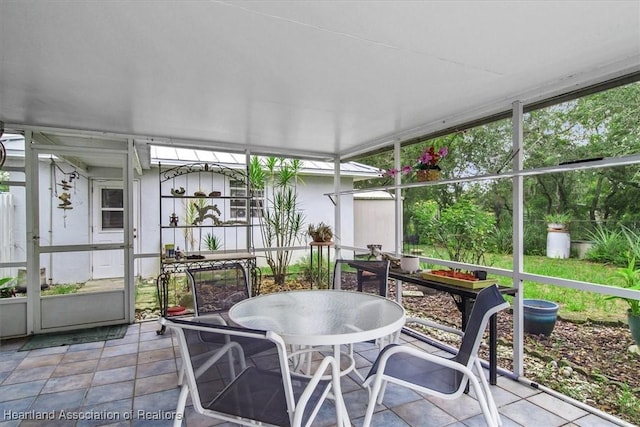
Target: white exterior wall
{"x": 76, "y": 267}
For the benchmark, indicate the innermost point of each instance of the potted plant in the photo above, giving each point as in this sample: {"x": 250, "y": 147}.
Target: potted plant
{"x": 558, "y": 221}
{"x": 320, "y": 232}
{"x": 630, "y": 276}
{"x": 558, "y": 237}
{"x": 427, "y": 168}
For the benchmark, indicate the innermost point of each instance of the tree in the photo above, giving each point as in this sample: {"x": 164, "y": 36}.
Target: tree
{"x": 281, "y": 220}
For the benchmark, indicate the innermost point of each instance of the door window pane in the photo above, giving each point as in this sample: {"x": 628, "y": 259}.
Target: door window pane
{"x": 112, "y": 198}
{"x": 112, "y": 207}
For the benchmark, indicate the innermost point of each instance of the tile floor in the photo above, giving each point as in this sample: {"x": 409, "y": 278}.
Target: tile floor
{"x": 132, "y": 382}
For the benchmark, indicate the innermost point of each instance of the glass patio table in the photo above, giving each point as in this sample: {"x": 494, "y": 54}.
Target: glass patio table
{"x": 308, "y": 319}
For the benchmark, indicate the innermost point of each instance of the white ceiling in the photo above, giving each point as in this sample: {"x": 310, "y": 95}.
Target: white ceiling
{"x": 294, "y": 77}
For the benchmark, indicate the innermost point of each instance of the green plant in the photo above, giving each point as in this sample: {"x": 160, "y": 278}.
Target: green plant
{"x": 424, "y": 213}
{"x": 213, "y": 242}
{"x": 281, "y": 221}
{"x": 609, "y": 246}
{"x": 321, "y": 232}
{"x": 7, "y": 287}
{"x": 464, "y": 230}
{"x": 630, "y": 276}
{"x": 558, "y": 218}
{"x": 190, "y": 216}
{"x": 62, "y": 289}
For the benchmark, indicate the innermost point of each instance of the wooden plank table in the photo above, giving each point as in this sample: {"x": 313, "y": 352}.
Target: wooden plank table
{"x": 463, "y": 298}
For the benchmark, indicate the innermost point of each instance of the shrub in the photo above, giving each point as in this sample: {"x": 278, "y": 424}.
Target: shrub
{"x": 610, "y": 246}
{"x": 464, "y": 230}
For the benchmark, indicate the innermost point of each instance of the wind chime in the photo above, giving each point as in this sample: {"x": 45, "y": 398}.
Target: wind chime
{"x": 3, "y": 151}
{"x": 66, "y": 183}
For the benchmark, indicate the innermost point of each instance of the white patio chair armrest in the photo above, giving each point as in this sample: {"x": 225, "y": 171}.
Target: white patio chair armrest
{"x": 434, "y": 325}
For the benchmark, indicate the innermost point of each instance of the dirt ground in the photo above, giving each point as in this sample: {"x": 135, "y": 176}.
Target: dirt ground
{"x": 588, "y": 361}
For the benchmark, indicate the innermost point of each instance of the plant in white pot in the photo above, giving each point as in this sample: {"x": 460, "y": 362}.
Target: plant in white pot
{"x": 558, "y": 221}
{"x": 558, "y": 237}
{"x": 630, "y": 276}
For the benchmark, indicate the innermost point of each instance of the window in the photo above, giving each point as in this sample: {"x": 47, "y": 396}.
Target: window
{"x": 112, "y": 208}
{"x": 239, "y": 206}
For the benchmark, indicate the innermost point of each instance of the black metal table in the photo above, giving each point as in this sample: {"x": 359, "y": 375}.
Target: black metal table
{"x": 463, "y": 298}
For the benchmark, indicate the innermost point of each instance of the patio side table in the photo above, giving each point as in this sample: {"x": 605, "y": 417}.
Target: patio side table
{"x": 317, "y": 278}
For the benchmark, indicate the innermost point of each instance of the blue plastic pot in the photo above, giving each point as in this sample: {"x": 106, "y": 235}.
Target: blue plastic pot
{"x": 539, "y": 316}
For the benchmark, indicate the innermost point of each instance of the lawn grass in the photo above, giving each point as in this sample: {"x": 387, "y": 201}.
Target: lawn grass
{"x": 574, "y": 304}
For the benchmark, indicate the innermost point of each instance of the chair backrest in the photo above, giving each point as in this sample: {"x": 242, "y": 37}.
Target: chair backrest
{"x": 488, "y": 302}
{"x": 362, "y": 275}
{"x": 235, "y": 372}
{"x": 216, "y": 289}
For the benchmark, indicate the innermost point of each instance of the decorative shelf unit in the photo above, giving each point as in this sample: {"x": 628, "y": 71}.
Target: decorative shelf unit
{"x": 206, "y": 209}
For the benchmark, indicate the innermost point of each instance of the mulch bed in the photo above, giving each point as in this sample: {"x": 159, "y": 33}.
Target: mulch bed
{"x": 589, "y": 361}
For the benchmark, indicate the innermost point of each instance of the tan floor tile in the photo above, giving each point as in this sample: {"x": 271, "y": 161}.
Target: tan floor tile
{"x": 71, "y": 382}
{"x": 155, "y": 355}
{"x": 116, "y": 362}
{"x": 37, "y": 361}
{"x": 28, "y": 375}
{"x": 156, "y": 383}
{"x": 76, "y": 368}
{"x": 80, "y": 356}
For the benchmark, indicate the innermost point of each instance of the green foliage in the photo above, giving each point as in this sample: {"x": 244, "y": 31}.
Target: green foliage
{"x": 62, "y": 289}
{"x": 629, "y": 402}
{"x": 558, "y": 218}
{"x": 318, "y": 275}
{"x": 191, "y": 207}
{"x": 4, "y": 176}
{"x": 281, "y": 222}
{"x": 630, "y": 276}
{"x": 213, "y": 242}
{"x": 535, "y": 241}
{"x": 610, "y": 246}
{"x": 7, "y": 287}
{"x": 463, "y": 230}
{"x": 423, "y": 215}
{"x": 502, "y": 239}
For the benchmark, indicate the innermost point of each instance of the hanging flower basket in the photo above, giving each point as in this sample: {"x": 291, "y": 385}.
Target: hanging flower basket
{"x": 428, "y": 174}
{"x": 426, "y": 168}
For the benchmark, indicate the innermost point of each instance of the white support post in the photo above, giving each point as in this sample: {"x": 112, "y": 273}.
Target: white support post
{"x": 33, "y": 234}
{"x": 398, "y": 205}
{"x": 337, "y": 210}
{"x": 518, "y": 236}
{"x": 129, "y": 279}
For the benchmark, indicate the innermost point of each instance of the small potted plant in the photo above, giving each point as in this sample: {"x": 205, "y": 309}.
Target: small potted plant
{"x": 630, "y": 276}
{"x": 321, "y": 232}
